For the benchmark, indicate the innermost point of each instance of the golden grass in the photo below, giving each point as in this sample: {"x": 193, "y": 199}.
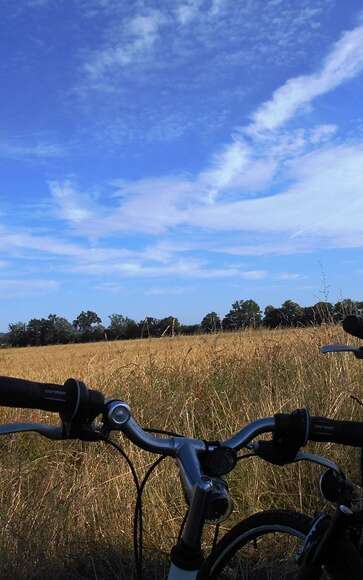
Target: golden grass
{"x": 66, "y": 507}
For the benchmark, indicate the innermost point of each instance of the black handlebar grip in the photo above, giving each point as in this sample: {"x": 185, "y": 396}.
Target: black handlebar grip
{"x": 343, "y": 432}
{"x": 72, "y": 400}
{"x": 33, "y": 395}
{"x": 354, "y": 325}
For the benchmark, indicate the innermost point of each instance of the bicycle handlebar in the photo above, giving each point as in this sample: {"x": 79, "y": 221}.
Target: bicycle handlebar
{"x": 333, "y": 431}
{"x": 73, "y": 400}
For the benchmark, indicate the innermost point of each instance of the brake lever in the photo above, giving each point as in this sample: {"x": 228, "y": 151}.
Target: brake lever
{"x": 49, "y": 431}
{"x": 319, "y": 460}
{"x": 357, "y": 351}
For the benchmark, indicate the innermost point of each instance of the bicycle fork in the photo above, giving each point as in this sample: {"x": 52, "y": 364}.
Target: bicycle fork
{"x": 187, "y": 556}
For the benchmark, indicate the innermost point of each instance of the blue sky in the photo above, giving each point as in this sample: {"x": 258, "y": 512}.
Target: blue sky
{"x": 169, "y": 157}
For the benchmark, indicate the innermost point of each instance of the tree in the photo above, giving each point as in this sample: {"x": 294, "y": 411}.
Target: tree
{"x": 149, "y": 327}
{"x": 60, "y": 330}
{"x": 116, "y": 328}
{"x": 307, "y": 317}
{"x": 132, "y": 329}
{"x": 89, "y": 326}
{"x": 343, "y": 309}
{"x": 272, "y": 317}
{"x": 17, "y": 334}
{"x": 121, "y": 327}
{"x": 189, "y": 329}
{"x": 291, "y": 313}
{"x": 168, "y": 326}
{"x": 323, "y": 312}
{"x": 211, "y": 322}
{"x": 38, "y": 331}
{"x": 243, "y": 313}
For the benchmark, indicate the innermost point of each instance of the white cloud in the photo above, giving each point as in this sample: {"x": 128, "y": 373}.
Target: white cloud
{"x": 167, "y": 291}
{"x": 134, "y": 43}
{"x": 344, "y": 62}
{"x": 152, "y": 262}
{"x": 188, "y": 11}
{"x": 19, "y": 287}
{"x": 267, "y": 245}
{"x": 185, "y": 268}
{"x": 254, "y": 275}
{"x": 324, "y": 196}
{"x": 237, "y": 40}
{"x": 325, "y": 201}
{"x": 67, "y": 201}
{"x": 288, "y": 276}
{"x": 322, "y": 133}
{"x": 164, "y": 250}
{"x": 218, "y": 6}
{"x": 12, "y": 150}
{"x": 240, "y": 166}
{"x": 227, "y": 167}
{"x": 14, "y": 240}
{"x": 150, "y": 205}
{"x": 111, "y": 287}
{"x": 238, "y": 34}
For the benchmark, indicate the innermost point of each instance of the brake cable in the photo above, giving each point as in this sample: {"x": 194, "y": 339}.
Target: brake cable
{"x": 138, "y": 514}
{"x": 140, "y": 487}
{"x": 246, "y": 456}
{"x": 137, "y": 552}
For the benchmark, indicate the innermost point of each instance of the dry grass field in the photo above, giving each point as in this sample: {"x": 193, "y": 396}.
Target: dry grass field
{"x": 66, "y": 507}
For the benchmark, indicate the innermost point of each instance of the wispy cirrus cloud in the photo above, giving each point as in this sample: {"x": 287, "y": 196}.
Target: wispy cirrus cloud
{"x": 68, "y": 204}
{"x": 83, "y": 258}
{"x": 140, "y": 45}
{"x": 137, "y": 37}
{"x": 20, "y": 287}
{"x": 186, "y": 12}
{"x": 324, "y": 196}
{"x": 38, "y": 151}
{"x": 15, "y": 240}
{"x": 168, "y": 291}
{"x": 187, "y": 268}
{"x": 344, "y": 62}
{"x": 288, "y": 276}
{"x": 110, "y": 287}
{"x": 218, "y": 6}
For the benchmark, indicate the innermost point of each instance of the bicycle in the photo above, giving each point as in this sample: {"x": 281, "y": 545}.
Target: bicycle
{"x": 87, "y": 416}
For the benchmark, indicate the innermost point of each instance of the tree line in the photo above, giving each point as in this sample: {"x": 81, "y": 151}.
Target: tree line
{"x": 88, "y": 327}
